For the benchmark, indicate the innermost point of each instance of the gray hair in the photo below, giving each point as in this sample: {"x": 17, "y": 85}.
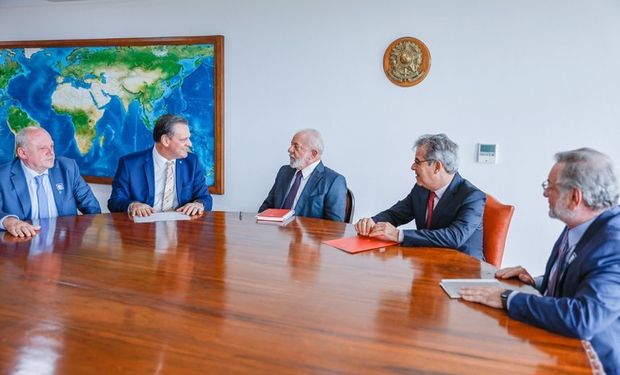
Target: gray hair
{"x": 21, "y": 138}
{"x": 440, "y": 148}
{"x": 591, "y": 172}
{"x": 313, "y": 139}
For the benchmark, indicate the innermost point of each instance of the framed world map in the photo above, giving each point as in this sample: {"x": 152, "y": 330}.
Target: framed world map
{"x": 99, "y": 98}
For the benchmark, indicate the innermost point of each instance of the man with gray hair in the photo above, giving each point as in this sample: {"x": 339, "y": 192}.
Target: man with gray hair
{"x": 447, "y": 208}
{"x": 581, "y": 285}
{"x": 305, "y": 184}
{"x": 38, "y": 185}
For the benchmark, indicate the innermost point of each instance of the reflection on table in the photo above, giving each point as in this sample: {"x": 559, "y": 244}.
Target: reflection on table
{"x": 223, "y": 294}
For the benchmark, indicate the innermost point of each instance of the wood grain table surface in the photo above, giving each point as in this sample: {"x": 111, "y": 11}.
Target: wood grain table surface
{"x": 223, "y": 294}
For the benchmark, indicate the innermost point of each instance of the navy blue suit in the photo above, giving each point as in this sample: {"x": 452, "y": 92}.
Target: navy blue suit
{"x": 134, "y": 181}
{"x": 456, "y": 221}
{"x": 323, "y": 197}
{"x": 587, "y": 297}
{"x": 71, "y": 192}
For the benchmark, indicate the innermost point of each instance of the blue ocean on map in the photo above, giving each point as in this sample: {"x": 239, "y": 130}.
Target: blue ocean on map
{"x": 120, "y": 124}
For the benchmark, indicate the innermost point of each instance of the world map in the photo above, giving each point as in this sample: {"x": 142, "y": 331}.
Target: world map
{"x": 100, "y": 103}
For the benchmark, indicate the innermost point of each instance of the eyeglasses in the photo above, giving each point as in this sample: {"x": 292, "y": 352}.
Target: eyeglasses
{"x": 419, "y": 162}
{"x": 547, "y": 185}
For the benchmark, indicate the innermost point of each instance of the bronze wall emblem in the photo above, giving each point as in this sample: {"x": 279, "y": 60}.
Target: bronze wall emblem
{"x": 406, "y": 61}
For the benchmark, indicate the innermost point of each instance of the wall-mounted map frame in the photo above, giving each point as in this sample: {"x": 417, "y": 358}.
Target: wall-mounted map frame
{"x": 99, "y": 98}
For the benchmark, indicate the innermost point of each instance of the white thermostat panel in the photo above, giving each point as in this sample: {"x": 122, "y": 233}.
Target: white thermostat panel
{"x": 487, "y": 153}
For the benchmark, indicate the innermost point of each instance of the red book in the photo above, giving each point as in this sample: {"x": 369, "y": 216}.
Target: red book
{"x": 275, "y": 214}
{"x": 358, "y": 244}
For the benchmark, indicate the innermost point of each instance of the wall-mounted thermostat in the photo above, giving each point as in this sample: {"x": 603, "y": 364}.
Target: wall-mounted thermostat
{"x": 487, "y": 153}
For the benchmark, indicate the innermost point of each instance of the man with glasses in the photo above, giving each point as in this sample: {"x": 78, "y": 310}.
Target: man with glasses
{"x": 165, "y": 177}
{"x": 305, "y": 184}
{"x": 581, "y": 285}
{"x": 447, "y": 209}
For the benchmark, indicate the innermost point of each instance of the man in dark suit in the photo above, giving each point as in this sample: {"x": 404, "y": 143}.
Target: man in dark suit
{"x": 165, "y": 177}
{"x": 581, "y": 285}
{"x": 38, "y": 185}
{"x": 447, "y": 209}
{"x": 306, "y": 185}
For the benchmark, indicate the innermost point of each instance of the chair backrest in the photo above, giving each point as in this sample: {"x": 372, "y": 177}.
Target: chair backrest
{"x": 349, "y": 207}
{"x": 495, "y": 224}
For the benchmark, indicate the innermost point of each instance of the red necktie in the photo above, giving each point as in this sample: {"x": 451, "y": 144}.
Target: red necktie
{"x": 429, "y": 209}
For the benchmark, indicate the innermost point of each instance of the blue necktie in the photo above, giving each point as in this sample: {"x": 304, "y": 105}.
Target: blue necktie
{"x": 556, "y": 272}
{"x": 42, "y": 197}
{"x": 290, "y": 198}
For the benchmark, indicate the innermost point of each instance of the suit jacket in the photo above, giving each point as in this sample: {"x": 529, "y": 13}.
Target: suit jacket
{"x": 323, "y": 197}
{"x": 587, "y": 302}
{"x": 71, "y": 192}
{"x": 456, "y": 221}
{"x": 134, "y": 181}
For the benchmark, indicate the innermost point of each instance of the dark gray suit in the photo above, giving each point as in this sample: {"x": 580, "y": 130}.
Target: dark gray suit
{"x": 456, "y": 221}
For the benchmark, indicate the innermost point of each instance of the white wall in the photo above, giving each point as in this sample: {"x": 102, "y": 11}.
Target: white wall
{"x": 534, "y": 76}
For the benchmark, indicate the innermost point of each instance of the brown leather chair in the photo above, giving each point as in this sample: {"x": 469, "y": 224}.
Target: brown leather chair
{"x": 495, "y": 224}
{"x": 349, "y": 207}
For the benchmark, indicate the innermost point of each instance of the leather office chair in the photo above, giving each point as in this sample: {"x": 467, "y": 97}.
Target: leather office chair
{"x": 349, "y": 207}
{"x": 495, "y": 223}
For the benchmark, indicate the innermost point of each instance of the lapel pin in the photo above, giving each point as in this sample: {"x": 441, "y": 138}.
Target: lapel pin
{"x": 60, "y": 187}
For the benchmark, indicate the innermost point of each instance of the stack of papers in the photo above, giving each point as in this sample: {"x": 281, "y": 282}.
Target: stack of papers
{"x": 275, "y": 214}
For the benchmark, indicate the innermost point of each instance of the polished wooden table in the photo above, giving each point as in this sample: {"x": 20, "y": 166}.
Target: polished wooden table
{"x": 222, "y": 294}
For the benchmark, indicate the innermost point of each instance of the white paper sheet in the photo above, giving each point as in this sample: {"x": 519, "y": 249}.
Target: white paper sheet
{"x": 161, "y": 216}
{"x": 452, "y": 286}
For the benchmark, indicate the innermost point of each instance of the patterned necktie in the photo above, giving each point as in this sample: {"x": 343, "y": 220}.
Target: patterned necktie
{"x": 290, "y": 198}
{"x": 168, "y": 200}
{"x": 556, "y": 271}
{"x": 429, "y": 209}
{"x": 42, "y": 197}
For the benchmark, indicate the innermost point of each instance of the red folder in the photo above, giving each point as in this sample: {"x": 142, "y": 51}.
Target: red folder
{"x": 358, "y": 244}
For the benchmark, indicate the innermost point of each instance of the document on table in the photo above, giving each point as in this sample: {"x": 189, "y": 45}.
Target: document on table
{"x": 161, "y": 216}
{"x": 356, "y": 244}
{"x": 452, "y": 286}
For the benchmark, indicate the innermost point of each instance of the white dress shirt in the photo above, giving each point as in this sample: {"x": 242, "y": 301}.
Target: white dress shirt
{"x": 32, "y": 191}
{"x": 159, "y": 164}
{"x": 305, "y": 175}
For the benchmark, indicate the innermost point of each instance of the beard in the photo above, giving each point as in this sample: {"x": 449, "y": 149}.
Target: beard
{"x": 299, "y": 163}
{"x": 560, "y": 211}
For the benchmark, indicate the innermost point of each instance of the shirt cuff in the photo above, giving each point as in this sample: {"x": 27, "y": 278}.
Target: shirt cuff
{"x": 4, "y": 218}
{"x": 401, "y": 235}
{"x": 538, "y": 282}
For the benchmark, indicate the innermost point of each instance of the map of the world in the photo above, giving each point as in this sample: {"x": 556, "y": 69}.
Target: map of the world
{"x": 100, "y": 103}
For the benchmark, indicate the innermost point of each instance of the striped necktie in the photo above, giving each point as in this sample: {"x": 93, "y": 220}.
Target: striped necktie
{"x": 168, "y": 201}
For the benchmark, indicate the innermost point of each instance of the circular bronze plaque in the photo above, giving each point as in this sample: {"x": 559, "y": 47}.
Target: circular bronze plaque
{"x": 406, "y": 61}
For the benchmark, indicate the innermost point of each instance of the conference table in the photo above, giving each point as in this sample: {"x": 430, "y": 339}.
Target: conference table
{"x": 223, "y": 294}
